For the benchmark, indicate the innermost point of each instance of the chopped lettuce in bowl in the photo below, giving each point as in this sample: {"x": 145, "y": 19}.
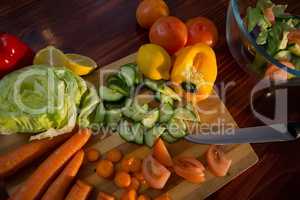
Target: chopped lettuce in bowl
{"x": 274, "y": 30}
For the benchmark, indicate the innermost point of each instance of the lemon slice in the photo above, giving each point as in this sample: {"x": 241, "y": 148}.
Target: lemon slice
{"x": 81, "y": 65}
{"x": 51, "y": 56}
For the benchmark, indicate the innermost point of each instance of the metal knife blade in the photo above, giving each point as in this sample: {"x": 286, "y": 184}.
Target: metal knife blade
{"x": 260, "y": 134}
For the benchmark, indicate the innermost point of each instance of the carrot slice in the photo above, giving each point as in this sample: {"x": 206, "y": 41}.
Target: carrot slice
{"x": 114, "y": 155}
{"x": 105, "y": 196}
{"x": 40, "y": 179}
{"x": 105, "y": 168}
{"x": 92, "y": 154}
{"x": 122, "y": 179}
{"x": 59, "y": 187}
{"x": 129, "y": 195}
{"x": 80, "y": 191}
{"x": 25, "y": 154}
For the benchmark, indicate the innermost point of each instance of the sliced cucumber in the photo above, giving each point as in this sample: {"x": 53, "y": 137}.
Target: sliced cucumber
{"x": 176, "y": 128}
{"x": 168, "y": 138}
{"x": 110, "y": 105}
{"x": 108, "y": 94}
{"x": 138, "y": 132}
{"x": 138, "y": 75}
{"x": 166, "y": 113}
{"x": 99, "y": 116}
{"x": 113, "y": 117}
{"x": 153, "y": 134}
{"x": 170, "y": 93}
{"x": 135, "y": 112}
{"x": 151, "y": 118}
{"x": 129, "y": 75}
{"x": 185, "y": 114}
{"x": 119, "y": 84}
{"x": 164, "y": 98}
{"x": 124, "y": 130}
{"x": 153, "y": 85}
{"x": 283, "y": 55}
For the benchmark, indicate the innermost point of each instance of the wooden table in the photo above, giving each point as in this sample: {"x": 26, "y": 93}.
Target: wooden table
{"x": 106, "y": 30}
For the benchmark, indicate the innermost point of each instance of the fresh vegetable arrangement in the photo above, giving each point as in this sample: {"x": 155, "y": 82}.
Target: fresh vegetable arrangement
{"x": 149, "y": 101}
{"x": 278, "y": 33}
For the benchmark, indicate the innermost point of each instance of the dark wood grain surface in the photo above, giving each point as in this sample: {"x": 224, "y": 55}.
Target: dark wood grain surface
{"x": 106, "y": 30}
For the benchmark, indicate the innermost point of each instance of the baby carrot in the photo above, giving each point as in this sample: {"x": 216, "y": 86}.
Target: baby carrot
{"x": 25, "y": 154}
{"x": 37, "y": 183}
{"x": 58, "y": 188}
{"x": 80, "y": 191}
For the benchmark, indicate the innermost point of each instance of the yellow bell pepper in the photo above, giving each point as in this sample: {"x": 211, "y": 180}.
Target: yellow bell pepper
{"x": 154, "y": 62}
{"x": 194, "y": 72}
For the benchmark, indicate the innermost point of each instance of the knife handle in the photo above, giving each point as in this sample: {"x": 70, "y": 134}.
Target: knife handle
{"x": 294, "y": 129}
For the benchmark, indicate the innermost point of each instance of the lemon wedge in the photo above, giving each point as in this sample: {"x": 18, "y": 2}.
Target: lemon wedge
{"x": 79, "y": 64}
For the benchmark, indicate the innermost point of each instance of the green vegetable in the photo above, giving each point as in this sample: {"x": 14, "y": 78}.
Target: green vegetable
{"x": 108, "y": 94}
{"x": 168, "y": 138}
{"x": 283, "y": 55}
{"x": 118, "y": 83}
{"x": 129, "y": 75}
{"x": 185, "y": 114}
{"x": 138, "y": 131}
{"x": 113, "y": 117}
{"x": 45, "y": 100}
{"x": 166, "y": 113}
{"x": 153, "y": 134}
{"x": 176, "y": 128}
{"x": 295, "y": 49}
{"x": 124, "y": 130}
{"x": 151, "y": 118}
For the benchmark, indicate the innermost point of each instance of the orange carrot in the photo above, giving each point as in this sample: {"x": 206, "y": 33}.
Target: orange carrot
{"x": 80, "y": 191}
{"x": 129, "y": 195}
{"x": 105, "y": 196}
{"x": 105, "y": 168}
{"x": 92, "y": 154}
{"x": 38, "y": 182}
{"x": 25, "y": 154}
{"x": 114, "y": 155}
{"x": 122, "y": 179}
{"x": 135, "y": 184}
{"x": 59, "y": 187}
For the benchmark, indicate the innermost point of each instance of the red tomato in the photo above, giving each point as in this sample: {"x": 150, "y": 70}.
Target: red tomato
{"x": 190, "y": 169}
{"x": 217, "y": 162}
{"x": 149, "y": 11}
{"x": 202, "y": 30}
{"x": 269, "y": 14}
{"x": 155, "y": 173}
{"x": 160, "y": 152}
{"x": 275, "y": 72}
{"x": 170, "y": 33}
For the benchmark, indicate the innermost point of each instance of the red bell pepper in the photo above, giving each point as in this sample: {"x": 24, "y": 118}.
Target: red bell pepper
{"x": 14, "y": 54}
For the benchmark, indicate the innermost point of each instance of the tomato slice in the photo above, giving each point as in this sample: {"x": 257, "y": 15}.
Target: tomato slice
{"x": 294, "y": 36}
{"x": 217, "y": 162}
{"x": 161, "y": 153}
{"x": 155, "y": 173}
{"x": 190, "y": 169}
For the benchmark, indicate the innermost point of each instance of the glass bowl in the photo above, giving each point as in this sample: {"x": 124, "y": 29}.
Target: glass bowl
{"x": 243, "y": 46}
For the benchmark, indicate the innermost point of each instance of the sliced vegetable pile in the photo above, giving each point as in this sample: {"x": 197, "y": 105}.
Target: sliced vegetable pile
{"x": 277, "y": 32}
{"x": 134, "y": 116}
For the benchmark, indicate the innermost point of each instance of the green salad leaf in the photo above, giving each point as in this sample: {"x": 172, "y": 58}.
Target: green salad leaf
{"x": 45, "y": 101}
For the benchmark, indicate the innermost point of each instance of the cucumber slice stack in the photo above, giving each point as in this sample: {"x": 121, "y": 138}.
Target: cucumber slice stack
{"x": 142, "y": 124}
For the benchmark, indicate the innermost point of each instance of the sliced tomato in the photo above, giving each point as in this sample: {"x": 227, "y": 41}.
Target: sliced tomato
{"x": 155, "y": 173}
{"x": 161, "y": 153}
{"x": 294, "y": 36}
{"x": 269, "y": 14}
{"x": 190, "y": 169}
{"x": 275, "y": 73}
{"x": 217, "y": 162}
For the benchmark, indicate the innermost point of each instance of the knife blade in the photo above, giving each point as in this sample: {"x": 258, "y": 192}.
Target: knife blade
{"x": 260, "y": 134}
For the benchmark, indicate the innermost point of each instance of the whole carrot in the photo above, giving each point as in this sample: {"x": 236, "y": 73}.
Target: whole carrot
{"x": 40, "y": 179}
{"x": 14, "y": 160}
{"x": 80, "y": 191}
{"x": 58, "y": 188}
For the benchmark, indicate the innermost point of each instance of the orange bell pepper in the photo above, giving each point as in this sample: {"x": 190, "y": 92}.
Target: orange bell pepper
{"x": 194, "y": 72}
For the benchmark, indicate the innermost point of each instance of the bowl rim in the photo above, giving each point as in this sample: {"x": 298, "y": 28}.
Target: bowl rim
{"x": 261, "y": 50}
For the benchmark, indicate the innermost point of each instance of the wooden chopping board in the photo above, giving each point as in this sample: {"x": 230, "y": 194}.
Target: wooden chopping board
{"x": 243, "y": 156}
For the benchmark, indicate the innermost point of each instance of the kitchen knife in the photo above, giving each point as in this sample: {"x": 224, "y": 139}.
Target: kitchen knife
{"x": 260, "y": 134}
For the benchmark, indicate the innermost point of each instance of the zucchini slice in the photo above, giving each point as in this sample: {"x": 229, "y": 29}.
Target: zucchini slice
{"x": 107, "y": 94}
{"x": 168, "y": 138}
{"x": 185, "y": 114}
{"x": 99, "y": 115}
{"x": 151, "y": 118}
{"x": 153, "y": 134}
{"x": 129, "y": 75}
{"x": 176, "y": 128}
{"x": 135, "y": 112}
{"x": 124, "y": 130}
{"x": 166, "y": 113}
{"x": 119, "y": 84}
{"x": 138, "y": 132}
